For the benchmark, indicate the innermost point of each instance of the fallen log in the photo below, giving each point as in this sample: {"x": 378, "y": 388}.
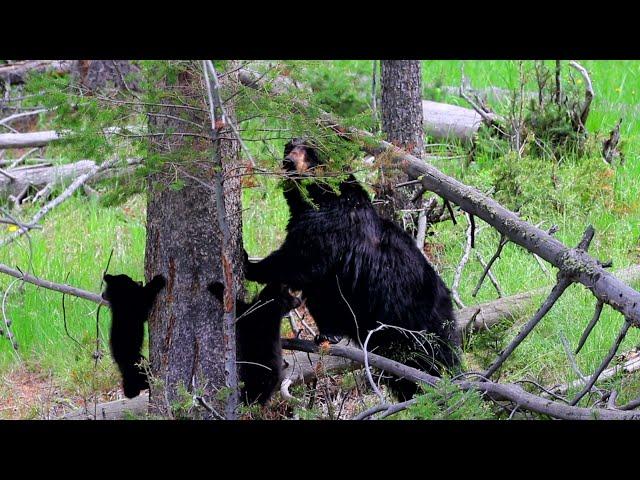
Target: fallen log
{"x": 50, "y": 174}
{"x": 27, "y": 140}
{"x": 483, "y": 316}
{"x": 443, "y": 121}
{"x": 43, "y": 175}
{"x": 66, "y": 193}
{"x": 17, "y": 72}
{"x": 302, "y": 369}
{"x": 41, "y": 139}
{"x": 491, "y": 94}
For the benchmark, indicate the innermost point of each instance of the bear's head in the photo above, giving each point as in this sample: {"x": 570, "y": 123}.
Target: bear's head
{"x": 281, "y": 294}
{"x": 119, "y": 286}
{"x": 300, "y": 157}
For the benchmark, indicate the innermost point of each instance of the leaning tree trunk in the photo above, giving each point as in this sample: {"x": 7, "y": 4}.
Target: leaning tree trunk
{"x": 184, "y": 244}
{"x": 402, "y": 125}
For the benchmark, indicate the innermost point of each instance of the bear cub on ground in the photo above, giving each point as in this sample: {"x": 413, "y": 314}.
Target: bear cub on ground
{"x": 259, "y": 349}
{"x": 131, "y": 304}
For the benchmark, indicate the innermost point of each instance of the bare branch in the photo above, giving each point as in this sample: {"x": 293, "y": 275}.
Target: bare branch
{"x": 463, "y": 261}
{"x": 592, "y": 323}
{"x": 612, "y": 352}
{"x": 492, "y": 278}
{"x": 588, "y": 94}
{"x": 557, "y": 291}
{"x": 68, "y": 289}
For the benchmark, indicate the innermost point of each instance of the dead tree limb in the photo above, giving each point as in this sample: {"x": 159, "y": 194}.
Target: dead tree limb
{"x": 555, "y": 294}
{"x": 592, "y": 323}
{"x": 610, "y": 147}
{"x": 41, "y": 139}
{"x": 588, "y": 95}
{"x": 605, "y": 363}
{"x": 492, "y": 390}
{"x": 503, "y": 241}
{"x": 58, "y": 287}
{"x": 630, "y": 366}
{"x": 77, "y": 183}
{"x": 492, "y": 278}
{"x": 49, "y": 174}
{"x": 463, "y": 261}
{"x": 27, "y": 140}
{"x": 16, "y": 116}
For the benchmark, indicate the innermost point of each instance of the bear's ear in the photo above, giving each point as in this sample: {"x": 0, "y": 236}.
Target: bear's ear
{"x": 107, "y": 278}
{"x": 217, "y": 289}
{"x": 295, "y": 302}
{"x": 288, "y": 147}
{"x": 158, "y": 281}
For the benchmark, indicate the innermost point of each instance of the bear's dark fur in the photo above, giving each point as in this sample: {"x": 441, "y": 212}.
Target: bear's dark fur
{"x": 357, "y": 270}
{"x": 130, "y": 306}
{"x": 259, "y": 351}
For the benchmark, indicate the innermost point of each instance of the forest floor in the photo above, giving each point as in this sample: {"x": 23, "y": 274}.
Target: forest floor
{"x": 50, "y": 373}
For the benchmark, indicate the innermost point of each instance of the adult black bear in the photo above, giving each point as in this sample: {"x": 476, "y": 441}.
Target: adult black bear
{"x": 258, "y": 339}
{"x": 357, "y": 270}
{"x": 130, "y": 306}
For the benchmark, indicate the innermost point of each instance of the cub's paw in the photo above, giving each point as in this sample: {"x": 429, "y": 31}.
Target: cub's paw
{"x": 332, "y": 339}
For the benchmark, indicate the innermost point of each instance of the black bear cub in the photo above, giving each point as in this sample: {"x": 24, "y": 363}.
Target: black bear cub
{"x": 130, "y": 306}
{"x": 357, "y": 270}
{"x": 259, "y": 350}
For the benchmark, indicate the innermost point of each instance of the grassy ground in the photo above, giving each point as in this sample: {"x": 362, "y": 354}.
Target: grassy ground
{"x": 78, "y": 236}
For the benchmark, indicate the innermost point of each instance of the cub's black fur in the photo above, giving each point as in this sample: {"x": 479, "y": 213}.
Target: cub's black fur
{"x": 259, "y": 350}
{"x": 357, "y": 270}
{"x": 130, "y": 306}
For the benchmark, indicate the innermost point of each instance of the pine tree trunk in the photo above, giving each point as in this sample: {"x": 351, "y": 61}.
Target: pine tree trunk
{"x": 402, "y": 125}
{"x": 184, "y": 244}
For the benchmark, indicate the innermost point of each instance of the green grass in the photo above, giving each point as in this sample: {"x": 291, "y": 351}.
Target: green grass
{"x": 77, "y": 237}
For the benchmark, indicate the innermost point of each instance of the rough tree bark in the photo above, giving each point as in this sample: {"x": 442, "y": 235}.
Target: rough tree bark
{"x": 184, "y": 244}
{"x": 103, "y": 74}
{"x": 402, "y": 125}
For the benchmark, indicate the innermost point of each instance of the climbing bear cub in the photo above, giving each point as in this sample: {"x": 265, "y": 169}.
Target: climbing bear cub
{"x": 357, "y": 270}
{"x": 130, "y": 306}
{"x": 258, "y": 339}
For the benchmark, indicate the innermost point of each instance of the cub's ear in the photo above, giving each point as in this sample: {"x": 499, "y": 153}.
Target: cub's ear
{"x": 107, "y": 278}
{"x": 217, "y": 289}
{"x": 157, "y": 283}
{"x": 295, "y": 302}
